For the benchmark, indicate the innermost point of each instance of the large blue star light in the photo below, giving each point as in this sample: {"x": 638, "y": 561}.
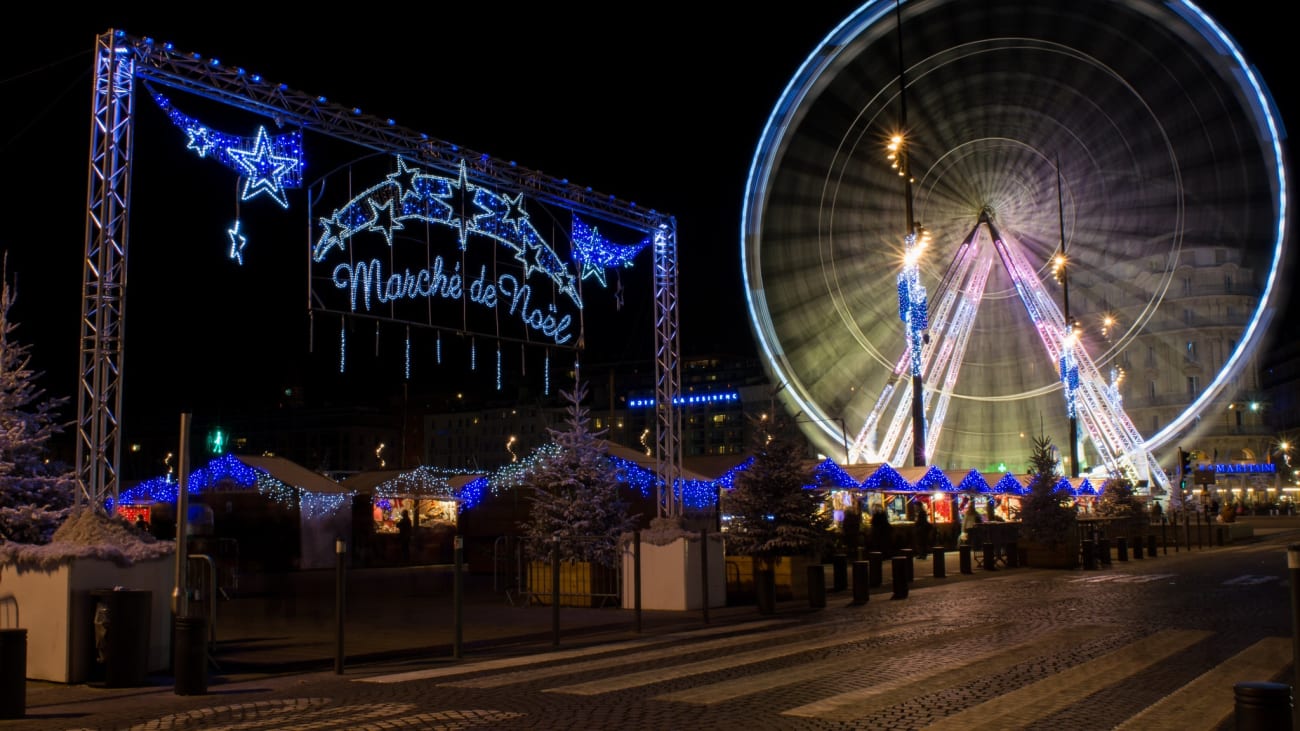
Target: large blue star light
{"x": 263, "y": 170}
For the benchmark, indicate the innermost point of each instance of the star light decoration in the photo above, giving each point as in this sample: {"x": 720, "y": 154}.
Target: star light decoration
{"x": 237, "y": 243}
{"x": 595, "y": 253}
{"x": 413, "y": 195}
{"x": 268, "y": 164}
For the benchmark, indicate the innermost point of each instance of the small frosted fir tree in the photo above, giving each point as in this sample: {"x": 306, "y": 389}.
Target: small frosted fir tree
{"x": 36, "y": 495}
{"x": 1046, "y": 517}
{"x": 575, "y": 493}
{"x": 1118, "y": 501}
{"x": 773, "y": 513}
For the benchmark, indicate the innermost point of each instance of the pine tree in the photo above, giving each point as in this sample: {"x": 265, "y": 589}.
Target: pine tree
{"x": 1118, "y": 501}
{"x": 575, "y": 493}
{"x": 35, "y": 495}
{"x": 1046, "y": 515}
{"x": 772, "y": 512}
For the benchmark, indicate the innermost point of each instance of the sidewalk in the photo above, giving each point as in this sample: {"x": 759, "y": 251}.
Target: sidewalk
{"x": 281, "y": 625}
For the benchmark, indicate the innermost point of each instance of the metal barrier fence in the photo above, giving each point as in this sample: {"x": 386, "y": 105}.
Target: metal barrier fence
{"x": 539, "y": 579}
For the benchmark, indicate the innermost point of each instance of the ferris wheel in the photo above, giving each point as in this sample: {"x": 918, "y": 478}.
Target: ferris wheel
{"x": 1010, "y": 208}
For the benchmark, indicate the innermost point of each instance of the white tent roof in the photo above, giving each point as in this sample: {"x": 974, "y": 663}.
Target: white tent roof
{"x": 292, "y": 474}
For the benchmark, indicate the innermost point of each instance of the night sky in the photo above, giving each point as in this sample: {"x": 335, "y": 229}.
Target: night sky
{"x": 662, "y": 108}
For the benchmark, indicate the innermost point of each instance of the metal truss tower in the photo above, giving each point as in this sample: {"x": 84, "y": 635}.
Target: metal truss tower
{"x": 121, "y": 60}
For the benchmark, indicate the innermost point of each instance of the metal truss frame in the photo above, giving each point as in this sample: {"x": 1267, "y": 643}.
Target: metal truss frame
{"x": 121, "y": 59}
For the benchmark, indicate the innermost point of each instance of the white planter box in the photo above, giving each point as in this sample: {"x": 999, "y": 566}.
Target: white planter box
{"x": 58, "y": 612}
{"x": 670, "y": 575}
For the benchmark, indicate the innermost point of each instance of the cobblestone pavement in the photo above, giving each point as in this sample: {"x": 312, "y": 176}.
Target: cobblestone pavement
{"x": 1157, "y": 643}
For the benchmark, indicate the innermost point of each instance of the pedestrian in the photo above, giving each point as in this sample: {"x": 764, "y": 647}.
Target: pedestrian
{"x": 404, "y": 535}
{"x": 922, "y": 532}
{"x": 969, "y": 521}
{"x": 880, "y": 531}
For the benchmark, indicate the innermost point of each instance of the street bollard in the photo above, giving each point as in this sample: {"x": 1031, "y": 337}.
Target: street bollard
{"x": 840, "y": 564}
{"x": 817, "y": 586}
{"x": 1121, "y": 548}
{"x": 990, "y": 557}
{"x": 963, "y": 554}
{"x": 899, "y": 566}
{"x": 1293, "y": 569}
{"x": 1013, "y": 555}
{"x": 1089, "y": 555}
{"x": 910, "y": 555}
{"x": 340, "y": 602}
{"x": 1151, "y": 546}
{"x": 1103, "y": 551}
{"x": 877, "y": 561}
{"x": 940, "y": 563}
{"x": 1262, "y": 706}
{"x": 1137, "y": 547}
{"x": 861, "y": 582}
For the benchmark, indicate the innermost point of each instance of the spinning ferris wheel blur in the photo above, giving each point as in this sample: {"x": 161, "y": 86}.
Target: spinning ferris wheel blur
{"x": 1131, "y": 136}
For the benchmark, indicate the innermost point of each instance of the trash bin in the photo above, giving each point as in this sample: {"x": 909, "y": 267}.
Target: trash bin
{"x": 122, "y": 628}
{"x": 190, "y": 661}
{"x": 13, "y": 673}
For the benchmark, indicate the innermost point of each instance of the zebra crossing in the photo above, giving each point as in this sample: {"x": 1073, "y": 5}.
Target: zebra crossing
{"x": 1243, "y": 580}
{"x": 1054, "y": 668}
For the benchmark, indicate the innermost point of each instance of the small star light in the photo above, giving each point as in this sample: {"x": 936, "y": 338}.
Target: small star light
{"x": 264, "y": 171}
{"x": 237, "y": 243}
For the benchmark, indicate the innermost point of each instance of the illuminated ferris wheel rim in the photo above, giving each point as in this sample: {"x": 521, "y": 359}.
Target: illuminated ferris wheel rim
{"x": 838, "y": 48}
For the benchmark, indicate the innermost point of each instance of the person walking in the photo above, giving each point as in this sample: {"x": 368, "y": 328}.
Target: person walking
{"x": 404, "y": 535}
{"x": 922, "y": 532}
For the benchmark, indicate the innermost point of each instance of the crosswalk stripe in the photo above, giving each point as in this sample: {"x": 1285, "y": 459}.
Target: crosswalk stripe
{"x": 1023, "y": 706}
{"x": 524, "y": 676}
{"x": 624, "y": 681}
{"x": 1249, "y": 580}
{"x": 516, "y": 661}
{"x": 1210, "y": 699}
{"x": 1123, "y": 578}
{"x": 866, "y": 701}
{"x": 721, "y": 692}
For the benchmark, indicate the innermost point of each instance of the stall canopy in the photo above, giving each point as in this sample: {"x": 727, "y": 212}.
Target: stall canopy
{"x": 293, "y": 474}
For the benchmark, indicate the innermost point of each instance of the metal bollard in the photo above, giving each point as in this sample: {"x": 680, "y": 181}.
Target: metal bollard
{"x": 817, "y": 586}
{"x": 990, "y": 557}
{"x": 13, "y": 672}
{"x": 861, "y": 582}
{"x": 1151, "y": 545}
{"x": 910, "y": 555}
{"x": 1137, "y": 547}
{"x": 1262, "y": 706}
{"x": 963, "y": 554}
{"x": 1013, "y": 555}
{"x": 899, "y": 566}
{"x": 1089, "y": 555}
{"x": 940, "y": 563}
{"x": 877, "y": 561}
{"x": 1121, "y": 548}
{"x": 1103, "y": 551}
{"x": 840, "y": 570}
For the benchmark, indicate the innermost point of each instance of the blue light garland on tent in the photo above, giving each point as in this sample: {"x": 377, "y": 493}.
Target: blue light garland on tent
{"x": 1009, "y": 484}
{"x": 973, "y": 482}
{"x": 934, "y": 480}
{"x": 886, "y": 479}
{"x": 829, "y": 472}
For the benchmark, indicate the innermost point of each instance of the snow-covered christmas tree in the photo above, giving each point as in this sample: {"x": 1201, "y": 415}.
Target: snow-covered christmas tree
{"x": 36, "y": 494}
{"x": 575, "y": 493}
{"x": 772, "y": 512}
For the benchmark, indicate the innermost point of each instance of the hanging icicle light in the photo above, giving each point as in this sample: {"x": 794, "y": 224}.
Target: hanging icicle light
{"x": 408, "y": 353}
{"x": 343, "y": 344}
{"x": 498, "y": 366}
{"x": 473, "y": 355}
{"x": 437, "y": 349}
